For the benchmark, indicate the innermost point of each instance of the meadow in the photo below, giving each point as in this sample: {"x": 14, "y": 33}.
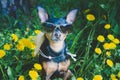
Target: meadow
{"x": 95, "y": 40}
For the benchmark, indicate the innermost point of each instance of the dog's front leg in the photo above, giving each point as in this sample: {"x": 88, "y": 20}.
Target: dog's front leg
{"x": 63, "y": 66}
{"x": 67, "y": 75}
{"x": 48, "y": 76}
{"x": 49, "y": 67}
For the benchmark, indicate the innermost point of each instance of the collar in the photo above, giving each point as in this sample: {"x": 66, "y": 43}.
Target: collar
{"x": 51, "y": 55}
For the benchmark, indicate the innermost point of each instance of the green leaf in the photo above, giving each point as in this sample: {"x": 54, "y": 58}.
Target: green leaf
{"x": 15, "y": 22}
{"x": 102, "y": 22}
{"x": 73, "y": 77}
{"x": 105, "y": 6}
{"x": 18, "y": 68}
{"x": 10, "y": 74}
{"x": 116, "y": 29}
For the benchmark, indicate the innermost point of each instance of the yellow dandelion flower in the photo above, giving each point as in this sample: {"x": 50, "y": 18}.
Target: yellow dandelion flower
{"x": 31, "y": 45}
{"x": 37, "y": 31}
{"x": 20, "y": 47}
{"x": 14, "y": 37}
{"x": 21, "y": 77}
{"x": 113, "y": 77}
{"x": 108, "y": 53}
{"x": 101, "y": 38}
{"x": 34, "y": 79}
{"x": 97, "y": 77}
{"x": 33, "y": 74}
{"x": 107, "y": 26}
{"x": 22, "y": 41}
{"x": 98, "y": 50}
{"x": 80, "y": 78}
{"x": 7, "y": 46}
{"x": 27, "y": 43}
{"x": 90, "y": 17}
{"x": 110, "y": 37}
{"x": 109, "y": 62}
{"x": 106, "y": 46}
{"x": 116, "y": 41}
{"x": 112, "y": 45}
{"x": 37, "y": 66}
{"x": 118, "y": 74}
{"x": 2, "y": 53}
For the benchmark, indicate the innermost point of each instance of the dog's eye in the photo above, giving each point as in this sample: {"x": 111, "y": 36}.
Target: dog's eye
{"x": 66, "y": 28}
{"x": 63, "y": 29}
{"x": 48, "y": 27}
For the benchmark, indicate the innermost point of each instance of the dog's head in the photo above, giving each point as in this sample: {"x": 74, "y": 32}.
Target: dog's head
{"x": 56, "y": 28}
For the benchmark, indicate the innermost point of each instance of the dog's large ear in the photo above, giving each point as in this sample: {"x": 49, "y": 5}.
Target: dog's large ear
{"x": 42, "y": 14}
{"x": 70, "y": 18}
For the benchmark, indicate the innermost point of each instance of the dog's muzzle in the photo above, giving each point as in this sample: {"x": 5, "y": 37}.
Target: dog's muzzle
{"x": 56, "y": 36}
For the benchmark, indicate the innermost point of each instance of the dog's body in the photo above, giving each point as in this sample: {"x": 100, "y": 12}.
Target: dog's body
{"x": 52, "y": 45}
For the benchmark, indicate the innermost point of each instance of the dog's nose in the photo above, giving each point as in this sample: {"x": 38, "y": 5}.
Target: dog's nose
{"x": 57, "y": 34}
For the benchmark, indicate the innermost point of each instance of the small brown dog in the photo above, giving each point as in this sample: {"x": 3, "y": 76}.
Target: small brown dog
{"x": 54, "y": 54}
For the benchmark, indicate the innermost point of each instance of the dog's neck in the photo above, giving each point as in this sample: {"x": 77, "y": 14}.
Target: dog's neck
{"x": 57, "y": 46}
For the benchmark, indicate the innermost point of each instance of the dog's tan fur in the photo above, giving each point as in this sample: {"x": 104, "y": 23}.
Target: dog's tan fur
{"x": 51, "y": 67}
{"x": 56, "y": 46}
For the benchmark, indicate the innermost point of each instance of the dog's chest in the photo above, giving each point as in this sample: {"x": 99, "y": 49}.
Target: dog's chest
{"x": 48, "y": 52}
{"x": 57, "y": 47}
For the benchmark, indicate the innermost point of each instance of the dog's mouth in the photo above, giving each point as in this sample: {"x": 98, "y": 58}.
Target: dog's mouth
{"x": 55, "y": 40}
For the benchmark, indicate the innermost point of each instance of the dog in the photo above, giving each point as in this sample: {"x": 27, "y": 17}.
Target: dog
{"x": 54, "y": 54}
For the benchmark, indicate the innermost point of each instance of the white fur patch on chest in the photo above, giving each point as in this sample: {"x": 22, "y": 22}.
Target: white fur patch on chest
{"x": 58, "y": 46}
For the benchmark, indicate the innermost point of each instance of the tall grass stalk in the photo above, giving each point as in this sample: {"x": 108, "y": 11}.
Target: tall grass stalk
{"x": 78, "y": 37}
{"x": 87, "y": 60}
{"x": 2, "y": 72}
